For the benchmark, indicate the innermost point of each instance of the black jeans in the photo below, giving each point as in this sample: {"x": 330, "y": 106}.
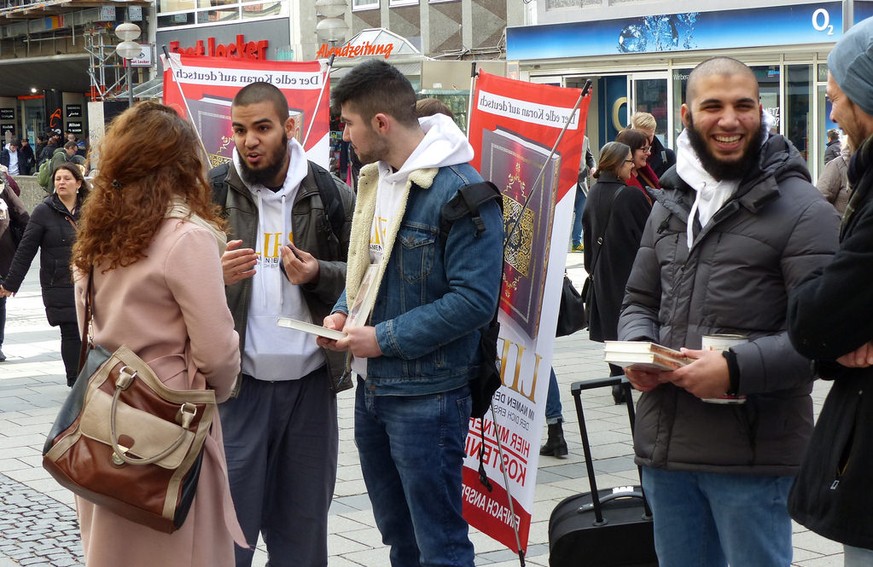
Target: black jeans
{"x": 71, "y": 344}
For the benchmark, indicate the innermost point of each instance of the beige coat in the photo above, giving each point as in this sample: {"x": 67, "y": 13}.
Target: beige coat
{"x": 156, "y": 306}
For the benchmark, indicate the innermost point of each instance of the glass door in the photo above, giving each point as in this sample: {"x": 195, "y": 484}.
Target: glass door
{"x": 649, "y": 92}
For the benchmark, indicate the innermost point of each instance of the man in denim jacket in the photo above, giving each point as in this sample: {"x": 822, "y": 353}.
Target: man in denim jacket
{"x": 417, "y": 354}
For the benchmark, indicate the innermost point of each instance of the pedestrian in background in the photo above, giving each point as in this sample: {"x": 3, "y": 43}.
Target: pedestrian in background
{"x": 13, "y": 220}
{"x": 26, "y": 159}
{"x": 11, "y": 158}
{"x": 833, "y": 147}
{"x": 642, "y": 175}
{"x": 586, "y": 166}
{"x": 614, "y": 220}
{"x": 833, "y": 182}
{"x": 829, "y": 321}
{"x": 420, "y": 348}
{"x": 150, "y": 242}
{"x": 52, "y": 232}
{"x": 287, "y": 260}
{"x": 737, "y": 227}
{"x": 660, "y": 158}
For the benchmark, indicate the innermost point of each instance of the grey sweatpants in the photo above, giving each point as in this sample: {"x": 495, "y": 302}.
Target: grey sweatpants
{"x": 281, "y": 441}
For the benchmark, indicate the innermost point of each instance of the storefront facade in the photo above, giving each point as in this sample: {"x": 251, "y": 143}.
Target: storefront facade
{"x": 642, "y": 62}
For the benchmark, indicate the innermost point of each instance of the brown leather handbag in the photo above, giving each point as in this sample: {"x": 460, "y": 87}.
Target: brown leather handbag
{"x": 124, "y": 441}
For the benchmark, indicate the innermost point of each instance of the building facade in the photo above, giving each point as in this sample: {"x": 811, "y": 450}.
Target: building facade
{"x": 638, "y": 55}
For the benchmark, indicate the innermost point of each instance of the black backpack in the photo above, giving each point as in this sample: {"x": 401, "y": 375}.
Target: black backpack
{"x": 327, "y": 190}
{"x": 467, "y": 202}
{"x": 487, "y": 380}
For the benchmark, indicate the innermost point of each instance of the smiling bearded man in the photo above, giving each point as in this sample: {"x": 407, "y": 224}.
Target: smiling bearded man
{"x": 736, "y": 227}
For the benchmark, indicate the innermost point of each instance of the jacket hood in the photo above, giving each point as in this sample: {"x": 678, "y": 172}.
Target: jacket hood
{"x": 443, "y": 145}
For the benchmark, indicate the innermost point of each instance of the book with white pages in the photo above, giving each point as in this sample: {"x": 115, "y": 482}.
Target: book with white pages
{"x": 310, "y": 328}
{"x": 360, "y": 310}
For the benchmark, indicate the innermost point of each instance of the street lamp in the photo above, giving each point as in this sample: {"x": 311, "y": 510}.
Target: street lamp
{"x": 332, "y": 28}
{"x": 127, "y": 50}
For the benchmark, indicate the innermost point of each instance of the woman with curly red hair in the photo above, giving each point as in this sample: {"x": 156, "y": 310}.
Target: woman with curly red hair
{"x": 150, "y": 239}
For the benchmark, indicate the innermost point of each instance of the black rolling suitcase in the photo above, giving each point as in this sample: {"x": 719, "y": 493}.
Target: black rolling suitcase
{"x": 602, "y": 528}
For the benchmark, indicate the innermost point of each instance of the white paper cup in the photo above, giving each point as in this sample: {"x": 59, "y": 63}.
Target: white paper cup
{"x": 723, "y": 343}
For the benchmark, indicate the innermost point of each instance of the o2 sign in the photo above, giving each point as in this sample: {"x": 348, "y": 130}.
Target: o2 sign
{"x": 821, "y": 21}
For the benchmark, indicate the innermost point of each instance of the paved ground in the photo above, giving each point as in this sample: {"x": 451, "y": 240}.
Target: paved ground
{"x": 37, "y": 521}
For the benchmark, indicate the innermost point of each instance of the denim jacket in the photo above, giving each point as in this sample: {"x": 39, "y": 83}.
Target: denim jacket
{"x": 435, "y": 291}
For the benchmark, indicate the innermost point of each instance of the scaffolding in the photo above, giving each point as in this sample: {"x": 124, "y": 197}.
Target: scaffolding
{"x": 105, "y": 67}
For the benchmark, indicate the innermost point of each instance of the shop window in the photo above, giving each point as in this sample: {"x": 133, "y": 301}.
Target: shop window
{"x": 798, "y": 115}
{"x": 364, "y": 4}
{"x": 176, "y": 20}
{"x": 261, "y": 10}
{"x": 176, "y": 5}
{"x": 768, "y": 82}
{"x": 215, "y": 16}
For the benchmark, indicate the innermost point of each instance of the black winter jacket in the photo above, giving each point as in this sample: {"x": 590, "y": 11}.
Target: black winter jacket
{"x": 614, "y": 243}
{"x": 764, "y": 241}
{"x": 829, "y": 316}
{"x": 51, "y": 230}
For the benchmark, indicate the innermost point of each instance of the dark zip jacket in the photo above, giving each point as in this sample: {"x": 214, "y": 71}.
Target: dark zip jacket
{"x": 829, "y": 316}
{"x": 50, "y": 231}
{"x": 768, "y": 237}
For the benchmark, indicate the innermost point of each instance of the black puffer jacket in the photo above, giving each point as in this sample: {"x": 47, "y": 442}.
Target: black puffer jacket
{"x": 763, "y": 242}
{"x": 51, "y": 230}
{"x": 829, "y": 316}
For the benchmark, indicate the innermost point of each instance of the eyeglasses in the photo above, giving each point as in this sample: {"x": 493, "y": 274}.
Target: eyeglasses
{"x": 628, "y": 161}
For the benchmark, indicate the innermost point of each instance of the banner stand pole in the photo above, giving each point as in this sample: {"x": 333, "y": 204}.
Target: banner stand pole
{"x": 170, "y": 64}
{"x": 521, "y": 552}
{"x": 582, "y": 95}
{"x": 325, "y": 80}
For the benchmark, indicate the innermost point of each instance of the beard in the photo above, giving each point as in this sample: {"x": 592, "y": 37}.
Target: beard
{"x": 725, "y": 170}
{"x": 268, "y": 173}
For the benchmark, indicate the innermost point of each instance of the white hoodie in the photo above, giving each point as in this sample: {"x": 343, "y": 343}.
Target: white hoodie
{"x": 275, "y": 353}
{"x": 711, "y": 193}
{"x": 443, "y": 145}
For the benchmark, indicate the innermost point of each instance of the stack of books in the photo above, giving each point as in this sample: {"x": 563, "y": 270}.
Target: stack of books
{"x": 643, "y": 355}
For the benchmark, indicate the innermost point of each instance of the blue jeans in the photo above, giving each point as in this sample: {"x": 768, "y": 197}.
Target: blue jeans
{"x": 857, "y": 556}
{"x": 554, "y": 409}
{"x": 712, "y": 519}
{"x": 412, "y": 452}
{"x": 578, "y": 207}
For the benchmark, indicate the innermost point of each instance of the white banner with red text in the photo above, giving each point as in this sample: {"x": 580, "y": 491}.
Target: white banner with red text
{"x": 513, "y": 127}
{"x": 208, "y": 85}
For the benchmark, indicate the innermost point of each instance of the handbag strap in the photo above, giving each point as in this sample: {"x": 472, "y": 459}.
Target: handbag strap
{"x": 603, "y": 232}
{"x": 86, "y": 321}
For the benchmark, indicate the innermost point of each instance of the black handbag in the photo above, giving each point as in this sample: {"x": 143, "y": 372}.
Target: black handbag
{"x": 572, "y": 315}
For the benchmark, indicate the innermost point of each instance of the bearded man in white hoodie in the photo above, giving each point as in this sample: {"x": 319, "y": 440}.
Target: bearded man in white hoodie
{"x": 289, "y": 222}
{"x": 737, "y": 226}
{"x": 415, "y": 355}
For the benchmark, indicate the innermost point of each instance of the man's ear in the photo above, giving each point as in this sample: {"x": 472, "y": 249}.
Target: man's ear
{"x": 290, "y": 127}
{"x": 684, "y": 111}
{"x": 381, "y": 122}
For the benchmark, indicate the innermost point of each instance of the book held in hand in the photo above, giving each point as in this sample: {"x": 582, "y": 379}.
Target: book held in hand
{"x": 310, "y": 328}
{"x": 643, "y": 355}
{"x": 359, "y": 312}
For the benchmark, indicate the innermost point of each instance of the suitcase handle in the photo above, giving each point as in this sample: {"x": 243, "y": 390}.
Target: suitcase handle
{"x": 636, "y": 495}
{"x": 576, "y": 389}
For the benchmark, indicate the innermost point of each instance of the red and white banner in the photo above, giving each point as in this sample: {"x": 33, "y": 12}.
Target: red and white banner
{"x": 513, "y": 127}
{"x": 210, "y": 83}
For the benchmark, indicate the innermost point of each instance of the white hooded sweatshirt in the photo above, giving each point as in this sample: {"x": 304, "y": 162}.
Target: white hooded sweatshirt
{"x": 712, "y": 194}
{"x": 443, "y": 145}
{"x": 275, "y": 353}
